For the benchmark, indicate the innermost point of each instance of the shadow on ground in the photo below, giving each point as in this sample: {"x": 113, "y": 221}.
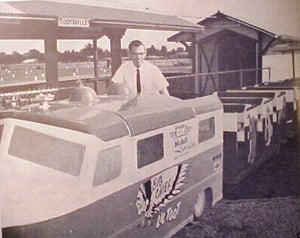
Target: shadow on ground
{"x": 278, "y": 177}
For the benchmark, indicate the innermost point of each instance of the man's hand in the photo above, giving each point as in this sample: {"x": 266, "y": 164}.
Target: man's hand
{"x": 164, "y": 92}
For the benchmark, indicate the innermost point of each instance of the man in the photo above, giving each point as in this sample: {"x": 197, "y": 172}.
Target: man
{"x": 138, "y": 75}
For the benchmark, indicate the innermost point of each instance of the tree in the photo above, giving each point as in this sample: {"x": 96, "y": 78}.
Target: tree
{"x": 180, "y": 49}
{"x": 2, "y": 58}
{"x": 152, "y": 50}
{"x": 106, "y": 53}
{"x": 69, "y": 56}
{"x": 163, "y": 51}
{"x": 171, "y": 53}
{"x": 34, "y": 54}
{"x": 102, "y": 53}
{"x": 86, "y": 51}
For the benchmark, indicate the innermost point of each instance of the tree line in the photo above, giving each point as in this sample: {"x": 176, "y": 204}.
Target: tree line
{"x": 85, "y": 54}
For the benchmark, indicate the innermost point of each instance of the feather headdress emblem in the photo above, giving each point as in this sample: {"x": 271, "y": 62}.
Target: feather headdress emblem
{"x": 160, "y": 190}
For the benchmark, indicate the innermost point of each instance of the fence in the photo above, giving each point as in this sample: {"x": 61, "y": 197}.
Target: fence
{"x": 206, "y": 83}
{"x": 180, "y": 83}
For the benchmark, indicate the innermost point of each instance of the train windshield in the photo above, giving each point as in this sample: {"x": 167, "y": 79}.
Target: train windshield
{"x": 49, "y": 151}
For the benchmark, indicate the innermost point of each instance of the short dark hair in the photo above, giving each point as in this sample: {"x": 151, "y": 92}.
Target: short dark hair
{"x": 135, "y": 43}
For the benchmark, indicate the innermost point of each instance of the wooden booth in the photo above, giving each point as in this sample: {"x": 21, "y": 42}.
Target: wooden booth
{"x": 229, "y": 52}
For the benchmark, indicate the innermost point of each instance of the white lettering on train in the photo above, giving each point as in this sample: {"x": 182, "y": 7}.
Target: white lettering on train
{"x": 168, "y": 215}
{"x": 161, "y": 187}
{"x": 181, "y": 142}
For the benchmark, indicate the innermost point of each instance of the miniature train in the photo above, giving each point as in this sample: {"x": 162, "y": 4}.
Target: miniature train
{"x": 92, "y": 166}
{"x": 257, "y": 119}
{"x": 75, "y": 164}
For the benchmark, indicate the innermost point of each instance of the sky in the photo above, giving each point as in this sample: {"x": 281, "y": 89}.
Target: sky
{"x": 281, "y": 17}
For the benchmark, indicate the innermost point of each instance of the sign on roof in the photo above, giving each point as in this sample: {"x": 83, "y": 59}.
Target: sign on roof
{"x": 73, "y": 22}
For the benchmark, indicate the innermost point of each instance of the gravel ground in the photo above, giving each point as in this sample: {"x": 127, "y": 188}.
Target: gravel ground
{"x": 265, "y": 205}
{"x": 257, "y": 218}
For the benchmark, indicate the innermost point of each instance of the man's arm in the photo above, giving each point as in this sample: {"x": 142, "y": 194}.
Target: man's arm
{"x": 163, "y": 83}
{"x": 116, "y": 85}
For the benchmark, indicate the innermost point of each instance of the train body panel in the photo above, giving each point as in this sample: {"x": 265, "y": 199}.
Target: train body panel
{"x": 245, "y": 139}
{"x": 292, "y": 107}
{"x": 286, "y": 106}
{"x": 240, "y": 144}
{"x": 117, "y": 215}
{"x": 276, "y": 119}
{"x": 73, "y": 179}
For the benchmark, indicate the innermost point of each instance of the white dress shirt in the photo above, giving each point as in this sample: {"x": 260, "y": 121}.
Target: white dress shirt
{"x": 152, "y": 80}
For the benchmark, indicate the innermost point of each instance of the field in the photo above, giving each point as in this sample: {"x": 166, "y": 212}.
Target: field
{"x": 35, "y": 72}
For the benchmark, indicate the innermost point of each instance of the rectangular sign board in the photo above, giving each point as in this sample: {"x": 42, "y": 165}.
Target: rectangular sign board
{"x": 73, "y": 22}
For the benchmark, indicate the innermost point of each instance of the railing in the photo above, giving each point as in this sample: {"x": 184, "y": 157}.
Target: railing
{"x": 241, "y": 73}
{"x": 185, "y": 82}
{"x": 216, "y": 81}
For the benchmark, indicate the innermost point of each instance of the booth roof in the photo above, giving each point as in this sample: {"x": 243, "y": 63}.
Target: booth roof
{"x": 122, "y": 18}
{"x": 284, "y": 45}
{"x": 225, "y": 19}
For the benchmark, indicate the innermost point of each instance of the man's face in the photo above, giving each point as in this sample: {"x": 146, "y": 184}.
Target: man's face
{"x": 137, "y": 55}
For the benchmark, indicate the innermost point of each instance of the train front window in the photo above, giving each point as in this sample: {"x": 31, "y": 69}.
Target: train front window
{"x": 48, "y": 151}
{"x": 150, "y": 150}
{"x": 108, "y": 165}
{"x": 206, "y": 129}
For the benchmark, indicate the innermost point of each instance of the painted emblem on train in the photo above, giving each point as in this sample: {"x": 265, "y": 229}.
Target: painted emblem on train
{"x": 157, "y": 192}
{"x": 252, "y": 140}
{"x": 268, "y": 131}
{"x": 181, "y": 142}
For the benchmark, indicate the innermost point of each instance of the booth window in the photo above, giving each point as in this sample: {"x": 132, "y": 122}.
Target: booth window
{"x": 108, "y": 165}
{"x": 48, "y": 151}
{"x": 206, "y": 129}
{"x": 150, "y": 150}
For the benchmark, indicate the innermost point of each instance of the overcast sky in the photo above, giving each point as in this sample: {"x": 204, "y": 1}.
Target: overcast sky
{"x": 278, "y": 16}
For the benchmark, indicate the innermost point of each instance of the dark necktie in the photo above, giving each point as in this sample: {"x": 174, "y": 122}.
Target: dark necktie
{"x": 138, "y": 81}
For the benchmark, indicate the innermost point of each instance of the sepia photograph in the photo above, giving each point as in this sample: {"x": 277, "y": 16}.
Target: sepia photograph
{"x": 149, "y": 118}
